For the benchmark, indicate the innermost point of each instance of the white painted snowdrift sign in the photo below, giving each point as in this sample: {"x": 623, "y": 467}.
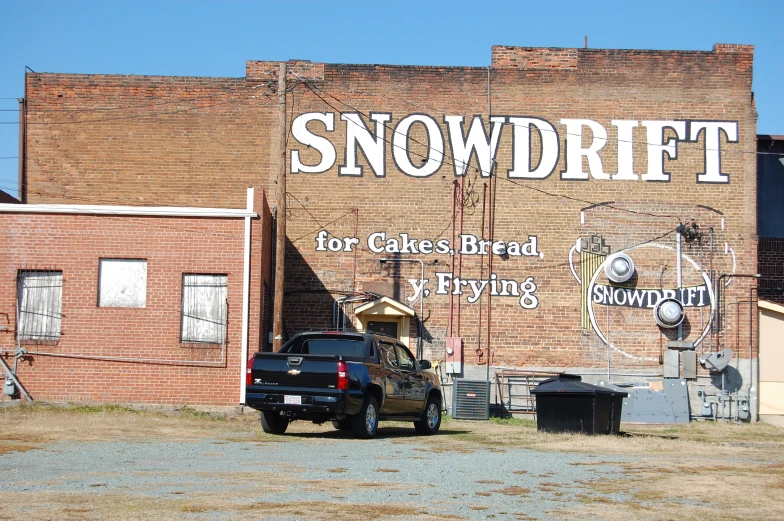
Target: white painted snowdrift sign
{"x": 477, "y": 142}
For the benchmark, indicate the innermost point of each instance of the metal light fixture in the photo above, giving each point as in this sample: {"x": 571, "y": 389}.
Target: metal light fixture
{"x": 619, "y": 268}
{"x": 668, "y": 312}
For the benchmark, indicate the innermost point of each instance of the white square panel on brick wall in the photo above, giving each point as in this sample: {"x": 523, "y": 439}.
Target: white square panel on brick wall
{"x": 123, "y": 283}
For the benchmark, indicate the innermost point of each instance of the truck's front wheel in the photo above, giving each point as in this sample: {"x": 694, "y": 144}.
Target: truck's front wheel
{"x": 365, "y": 423}
{"x": 273, "y": 423}
{"x": 431, "y": 417}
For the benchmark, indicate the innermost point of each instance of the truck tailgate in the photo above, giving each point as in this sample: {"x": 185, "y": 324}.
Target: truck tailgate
{"x": 285, "y": 372}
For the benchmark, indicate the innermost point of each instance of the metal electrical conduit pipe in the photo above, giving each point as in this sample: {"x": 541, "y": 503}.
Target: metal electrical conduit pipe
{"x": 720, "y": 292}
{"x": 337, "y": 305}
{"x": 723, "y": 304}
{"x": 343, "y": 309}
{"x": 12, "y": 375}
{"x": 604, "y": 373}
{"x": 131, "y": 360}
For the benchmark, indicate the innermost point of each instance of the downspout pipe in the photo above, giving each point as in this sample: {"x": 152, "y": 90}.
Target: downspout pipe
{"x": 22, "y": 186}
{"x": 679, "y": 270}
{"x": 245, "y": 297}
{"x": 451, "y": 295}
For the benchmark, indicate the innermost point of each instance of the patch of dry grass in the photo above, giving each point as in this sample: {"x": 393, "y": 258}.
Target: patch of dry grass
{"x": 513, "y": 491}
{"x": 6, "y": 447}
{"x": 97, "y": 506}
{"x": 665, "y": 479}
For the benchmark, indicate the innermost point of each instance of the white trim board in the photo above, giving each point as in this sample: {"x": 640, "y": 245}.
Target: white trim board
{"x": 142, "y": 211}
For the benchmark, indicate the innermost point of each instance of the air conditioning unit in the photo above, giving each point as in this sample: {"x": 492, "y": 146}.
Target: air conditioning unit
{"x": 471, "y": 399}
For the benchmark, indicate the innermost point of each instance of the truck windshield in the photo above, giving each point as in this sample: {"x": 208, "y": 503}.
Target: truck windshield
{"x": 329, "y": 346}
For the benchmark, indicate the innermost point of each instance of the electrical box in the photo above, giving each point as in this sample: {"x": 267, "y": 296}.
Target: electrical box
{"x": 453, "y": 356}
{"x": 672, "y": 364}
{"x": 689, "y": 362}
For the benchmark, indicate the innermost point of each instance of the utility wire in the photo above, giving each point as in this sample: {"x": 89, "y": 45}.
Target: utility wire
{"x": 142, "y": 116}
{"x": 304, "y": 80}
{"x": 323, "y": 227}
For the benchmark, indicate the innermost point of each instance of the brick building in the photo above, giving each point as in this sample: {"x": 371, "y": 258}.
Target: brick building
{"x": 559, "y": 158}
{"x": 133, "y": 304}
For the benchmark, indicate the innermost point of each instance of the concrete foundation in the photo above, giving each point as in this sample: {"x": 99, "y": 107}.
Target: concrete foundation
{"x": 739, "y": 386}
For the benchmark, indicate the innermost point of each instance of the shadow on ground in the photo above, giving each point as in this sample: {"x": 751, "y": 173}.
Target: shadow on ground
{"x": 382, "y": 433}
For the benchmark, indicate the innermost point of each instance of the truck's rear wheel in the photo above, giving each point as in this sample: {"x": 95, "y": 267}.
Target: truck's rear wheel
{"x": 273, "y": 423}
{"x": 431, "y": 417}
{"x": 365, "y": 423}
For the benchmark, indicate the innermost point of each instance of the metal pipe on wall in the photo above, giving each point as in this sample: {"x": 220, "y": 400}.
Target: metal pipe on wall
{"x": 451, "y": 294}
{"x": 490, "y": 227}
{"x": 679, "y": 270}
{"x": 22, "y": 185}
{"x": 460, "y": 255}
{"x": 481, "y": 275}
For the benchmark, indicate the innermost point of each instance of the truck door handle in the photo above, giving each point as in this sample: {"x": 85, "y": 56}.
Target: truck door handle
{"x": 295, "y": 360}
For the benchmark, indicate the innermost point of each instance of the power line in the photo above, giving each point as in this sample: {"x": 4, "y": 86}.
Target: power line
{"x": 323, "y": 227}
{"x": 137, "y": 116}
{"x": 304, "y": 80}
{"x": 132, "y": 106}
{"x": 10, "y": 157}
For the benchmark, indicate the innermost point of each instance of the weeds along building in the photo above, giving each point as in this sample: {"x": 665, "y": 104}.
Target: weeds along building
{"x": 515, "y": 185}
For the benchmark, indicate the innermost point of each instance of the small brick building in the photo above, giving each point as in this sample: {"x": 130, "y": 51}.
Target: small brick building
{"x": 557, "y": 158}
{"x": 133, "y": 304}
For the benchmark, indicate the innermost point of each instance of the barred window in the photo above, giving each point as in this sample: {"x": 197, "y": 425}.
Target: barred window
{"x": 40, "y": 304}
{"x": 204, "y": 308}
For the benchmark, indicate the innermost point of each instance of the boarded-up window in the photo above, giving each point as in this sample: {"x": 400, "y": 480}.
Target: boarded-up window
{"x": 204, "y": 308}
{"x": 122, "y": 283}
{"x": 40, "y": 301}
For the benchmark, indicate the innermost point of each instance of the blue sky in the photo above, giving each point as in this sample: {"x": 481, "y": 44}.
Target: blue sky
{"x": 201, "y": 38}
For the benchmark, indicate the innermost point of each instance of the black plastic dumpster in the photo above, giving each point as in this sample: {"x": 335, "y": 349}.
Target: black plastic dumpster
{"x": 567, "y": 404}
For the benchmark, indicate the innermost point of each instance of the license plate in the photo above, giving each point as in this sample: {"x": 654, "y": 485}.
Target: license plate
{"x": 294, "y": 400}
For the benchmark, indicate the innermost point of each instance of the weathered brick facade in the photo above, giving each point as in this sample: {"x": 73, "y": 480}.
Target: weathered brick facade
{"x": 127, "y": 354}
{"x": 108, "y": 139}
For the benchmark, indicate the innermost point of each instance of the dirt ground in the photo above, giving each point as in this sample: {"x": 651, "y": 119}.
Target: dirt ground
{"x": 694, "y": 472}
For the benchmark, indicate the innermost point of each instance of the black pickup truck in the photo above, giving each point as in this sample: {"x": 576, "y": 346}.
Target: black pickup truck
{"x": 353, "y": 379}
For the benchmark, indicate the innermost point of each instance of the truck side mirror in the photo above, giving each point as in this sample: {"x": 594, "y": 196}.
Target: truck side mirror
{"x": 424, "y": 364}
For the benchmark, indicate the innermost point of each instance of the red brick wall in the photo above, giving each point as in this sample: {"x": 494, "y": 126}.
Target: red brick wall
{"x": 172, "y": 246}
{"x": 200, "y": 141}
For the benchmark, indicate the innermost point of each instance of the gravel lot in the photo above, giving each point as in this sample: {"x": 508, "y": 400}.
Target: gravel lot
{"x": 129, "y": 465}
